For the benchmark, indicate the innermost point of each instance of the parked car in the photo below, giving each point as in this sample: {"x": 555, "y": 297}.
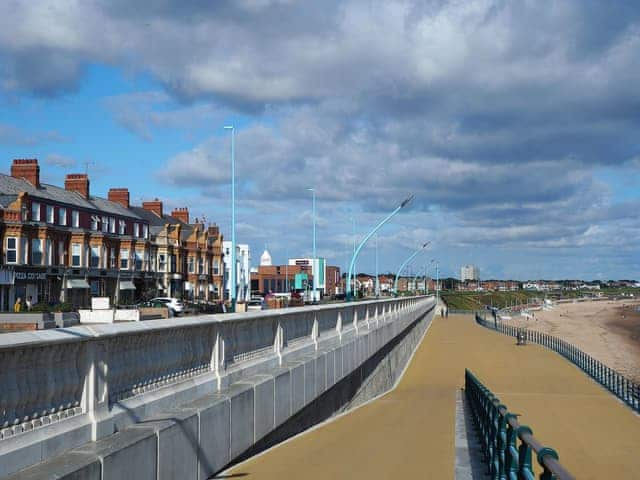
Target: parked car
{"x": 255, "y": 304}
{"x": 175, "y": 306}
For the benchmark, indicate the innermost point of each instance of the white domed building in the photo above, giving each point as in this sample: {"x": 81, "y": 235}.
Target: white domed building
{"x": 265, "y": 259}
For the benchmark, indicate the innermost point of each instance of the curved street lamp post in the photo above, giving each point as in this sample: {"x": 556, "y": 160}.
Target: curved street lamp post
{"x": 404, "y": 264}
{"x": 404, "y": 203}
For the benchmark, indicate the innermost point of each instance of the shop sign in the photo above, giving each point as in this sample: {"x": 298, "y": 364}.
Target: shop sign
{"x": 31, "y": 275}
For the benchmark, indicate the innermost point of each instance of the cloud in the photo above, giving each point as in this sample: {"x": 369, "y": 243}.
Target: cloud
{"x": 60, "y": 161}
{"x": 498, "y": 115}
{"x": 11, "y": 135}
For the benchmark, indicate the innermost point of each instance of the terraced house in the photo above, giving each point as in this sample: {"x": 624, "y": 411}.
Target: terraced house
{"x": 66, "y": 245}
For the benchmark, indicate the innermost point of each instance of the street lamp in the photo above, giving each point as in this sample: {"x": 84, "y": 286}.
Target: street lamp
{"x": 409, "y": 258}
{"x": 404, "y": 203}
{"x": 313, "y": 267}
{"x": 377, "y": 287}
{"x": 232, "y": 287}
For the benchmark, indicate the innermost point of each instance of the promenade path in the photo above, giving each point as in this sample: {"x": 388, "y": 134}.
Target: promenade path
{"x": 409, "y": 433}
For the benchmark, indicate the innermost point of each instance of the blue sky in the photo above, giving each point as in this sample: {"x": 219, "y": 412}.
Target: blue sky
{"x": 514, "y": 123}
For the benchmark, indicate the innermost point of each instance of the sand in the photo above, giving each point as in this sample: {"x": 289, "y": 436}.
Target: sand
{"x": 607, "y": 330}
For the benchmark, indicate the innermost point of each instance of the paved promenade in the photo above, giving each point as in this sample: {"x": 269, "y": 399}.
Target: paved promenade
{"x": 409, "y": 433}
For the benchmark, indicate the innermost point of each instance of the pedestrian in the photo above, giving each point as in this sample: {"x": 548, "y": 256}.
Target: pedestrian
{"x": 17, "y": 307}
{"x": 29, "y": 304}
{"x": 442, "y": 313}
{"x": 446, "y": 313}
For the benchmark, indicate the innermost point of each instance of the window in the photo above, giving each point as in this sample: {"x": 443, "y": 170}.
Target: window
{"x": 49, "y": 252}
{"x": 36, "y": 251}
{"x": 162, "y": 262}
{"x": 76, "y": 252}
{"x": 94, "y": 261}
{"x": 145, "y": 231}
{"x": 174, "y": 264}
{"x": 105, "y": 224}
{"x": 192, "y": 265}
{"x": 35, "y": 211}
{"x": 94, "y": 222}
{"x": 121, "y": 227}
{"x": 146, "y": 260}
{"x": 12, "y": 250}
{"x": 61, "y": 252}
{"x": 112, "y": 225}
{"x": 62, "y": 216}
{"x": 75, "y": 218}
{"x": 216, "y": 267}
{"x": 51, "y": 218}
{"x": 201, "y": 265}
{"x": 136, "y": 230}
{"x": 112, "y": 258}
{"x": 124, "y": 259}
{"x": 24, "y": 250}
{"x": 138, "y": 260}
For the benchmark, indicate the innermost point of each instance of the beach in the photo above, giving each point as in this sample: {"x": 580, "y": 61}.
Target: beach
{"x": 608, "y": 330}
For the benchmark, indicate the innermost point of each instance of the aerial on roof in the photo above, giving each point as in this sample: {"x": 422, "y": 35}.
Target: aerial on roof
{"x": 10, "y": 186}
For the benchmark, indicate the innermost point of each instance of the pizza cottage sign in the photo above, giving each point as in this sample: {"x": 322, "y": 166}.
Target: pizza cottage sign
{"x": 31, "y": 275}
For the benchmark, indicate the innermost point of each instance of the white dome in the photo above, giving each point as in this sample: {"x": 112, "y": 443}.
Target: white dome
{"x": 265, "y": 259}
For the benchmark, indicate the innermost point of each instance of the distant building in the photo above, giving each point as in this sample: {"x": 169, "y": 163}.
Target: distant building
{"x": 243, "y": 268}
{"x": 469, "y": 272}
{"x": 318, "y": 271}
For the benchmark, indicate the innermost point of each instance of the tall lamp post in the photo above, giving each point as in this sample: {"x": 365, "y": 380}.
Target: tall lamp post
{"x": 232, "y": 287}
{"x": 313, "y": 268}
{"x": 404, "y": 264}
{"x": 404, "y": 203}
{"x": 377, "y": 288}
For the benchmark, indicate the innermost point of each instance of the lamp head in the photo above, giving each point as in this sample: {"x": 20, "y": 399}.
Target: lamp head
{"x": 406, "y": 201}
{"x": 228, "y": 127}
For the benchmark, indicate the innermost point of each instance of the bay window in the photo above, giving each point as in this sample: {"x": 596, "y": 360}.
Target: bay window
{"x": 76, "y": 255}
{"x": 12, "y": 250}
{"x": 124, "y": 259}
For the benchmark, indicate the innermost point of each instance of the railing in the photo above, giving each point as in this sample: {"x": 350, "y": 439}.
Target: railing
{"x": 622, "y": 387}
{"x": 48, "y": 376}
{"x": 507, "y": 445}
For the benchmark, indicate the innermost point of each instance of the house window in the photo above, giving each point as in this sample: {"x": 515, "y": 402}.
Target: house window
{"x": 145, "y": 231}
{"x": 112, "y": 225}
{"x": 35, "y": 211}
{"x": 36, "y": 251}
{"x": 174, "y": 264}
{"x": 75, "y": 218}
{"x": 49, "y": 251}
{"x": 216, "y": 267}
{"x": 192, "y": 265}
{"x": 94, "y": 261}
{"x": 124, "y": 259}
{"x": 138, "y": 260}
{"x": 51, "y": 218}
{"x": 112, "y": 258}
{"x": 76, "y": 252}
{"x": 136, "y": 230}
{"x": 201, "y": 265}
{"x": 12, "y": 250}
{"x": 62, "y": 216}
{"x": 105, "y": 224}
{"x": 162, "y": 262}
{"x": 94, "y": 222}
{"x": 121, "y": 227}
{"x": 61, "y": 253}
{"x": 24, "y": 250}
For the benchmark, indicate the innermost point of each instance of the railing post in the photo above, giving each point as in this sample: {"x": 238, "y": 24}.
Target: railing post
{"x": 339, "y": 326}
{"x": 95, "y": 395}
{"x": 314, "y": 332}
{"x": 525, "y": 465}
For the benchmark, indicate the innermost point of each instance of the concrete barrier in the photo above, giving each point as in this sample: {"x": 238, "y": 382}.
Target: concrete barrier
{"x": 179, "y": 378}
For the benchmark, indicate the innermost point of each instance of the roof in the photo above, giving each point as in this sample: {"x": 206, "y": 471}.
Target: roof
{"x": 10, "y": 186}
{"x": 6, "y": 200}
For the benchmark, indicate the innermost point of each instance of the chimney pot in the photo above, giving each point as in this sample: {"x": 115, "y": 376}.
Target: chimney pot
{"x": 119, "y": 195}
{"x": 181, "y": 214}
{"x": 154, "y": 206}
{"x": 77, "y": 182}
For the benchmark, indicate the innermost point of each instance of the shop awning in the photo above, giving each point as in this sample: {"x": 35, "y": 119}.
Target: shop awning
{"x": 77, "y": 283}
{"x": 127, "y": 285}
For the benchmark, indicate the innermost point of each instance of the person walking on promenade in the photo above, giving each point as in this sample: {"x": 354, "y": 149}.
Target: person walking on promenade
{"x": 17, "y": 307}
{"x": 29, "y": 304}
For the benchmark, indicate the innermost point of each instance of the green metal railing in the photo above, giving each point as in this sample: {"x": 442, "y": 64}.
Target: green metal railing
{"x": 622, "y": 387}
{"x": 508, "y": 446}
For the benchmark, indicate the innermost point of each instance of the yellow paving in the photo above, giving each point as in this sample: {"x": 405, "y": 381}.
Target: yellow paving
{"x": 409, "y": 433}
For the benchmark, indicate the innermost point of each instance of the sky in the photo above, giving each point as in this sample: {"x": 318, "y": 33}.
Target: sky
{"x": 514, "y": 123}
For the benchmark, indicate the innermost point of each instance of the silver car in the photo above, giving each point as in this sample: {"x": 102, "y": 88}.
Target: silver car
{"x": 175, "y": 306}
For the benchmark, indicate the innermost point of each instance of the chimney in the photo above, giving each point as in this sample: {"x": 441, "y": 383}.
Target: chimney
{"x": 214, "y": 231}
{"x": 181, "y": 214}
{"x": 77, "y": 182}
{"x": 154, "y": 206}
{"x": 119, "y": 195}
{"x": 28, "y": 169}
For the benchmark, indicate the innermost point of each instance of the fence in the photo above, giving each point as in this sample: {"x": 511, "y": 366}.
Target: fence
{"x": 507, "y": 445}
{"x": 621, "y": 386}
